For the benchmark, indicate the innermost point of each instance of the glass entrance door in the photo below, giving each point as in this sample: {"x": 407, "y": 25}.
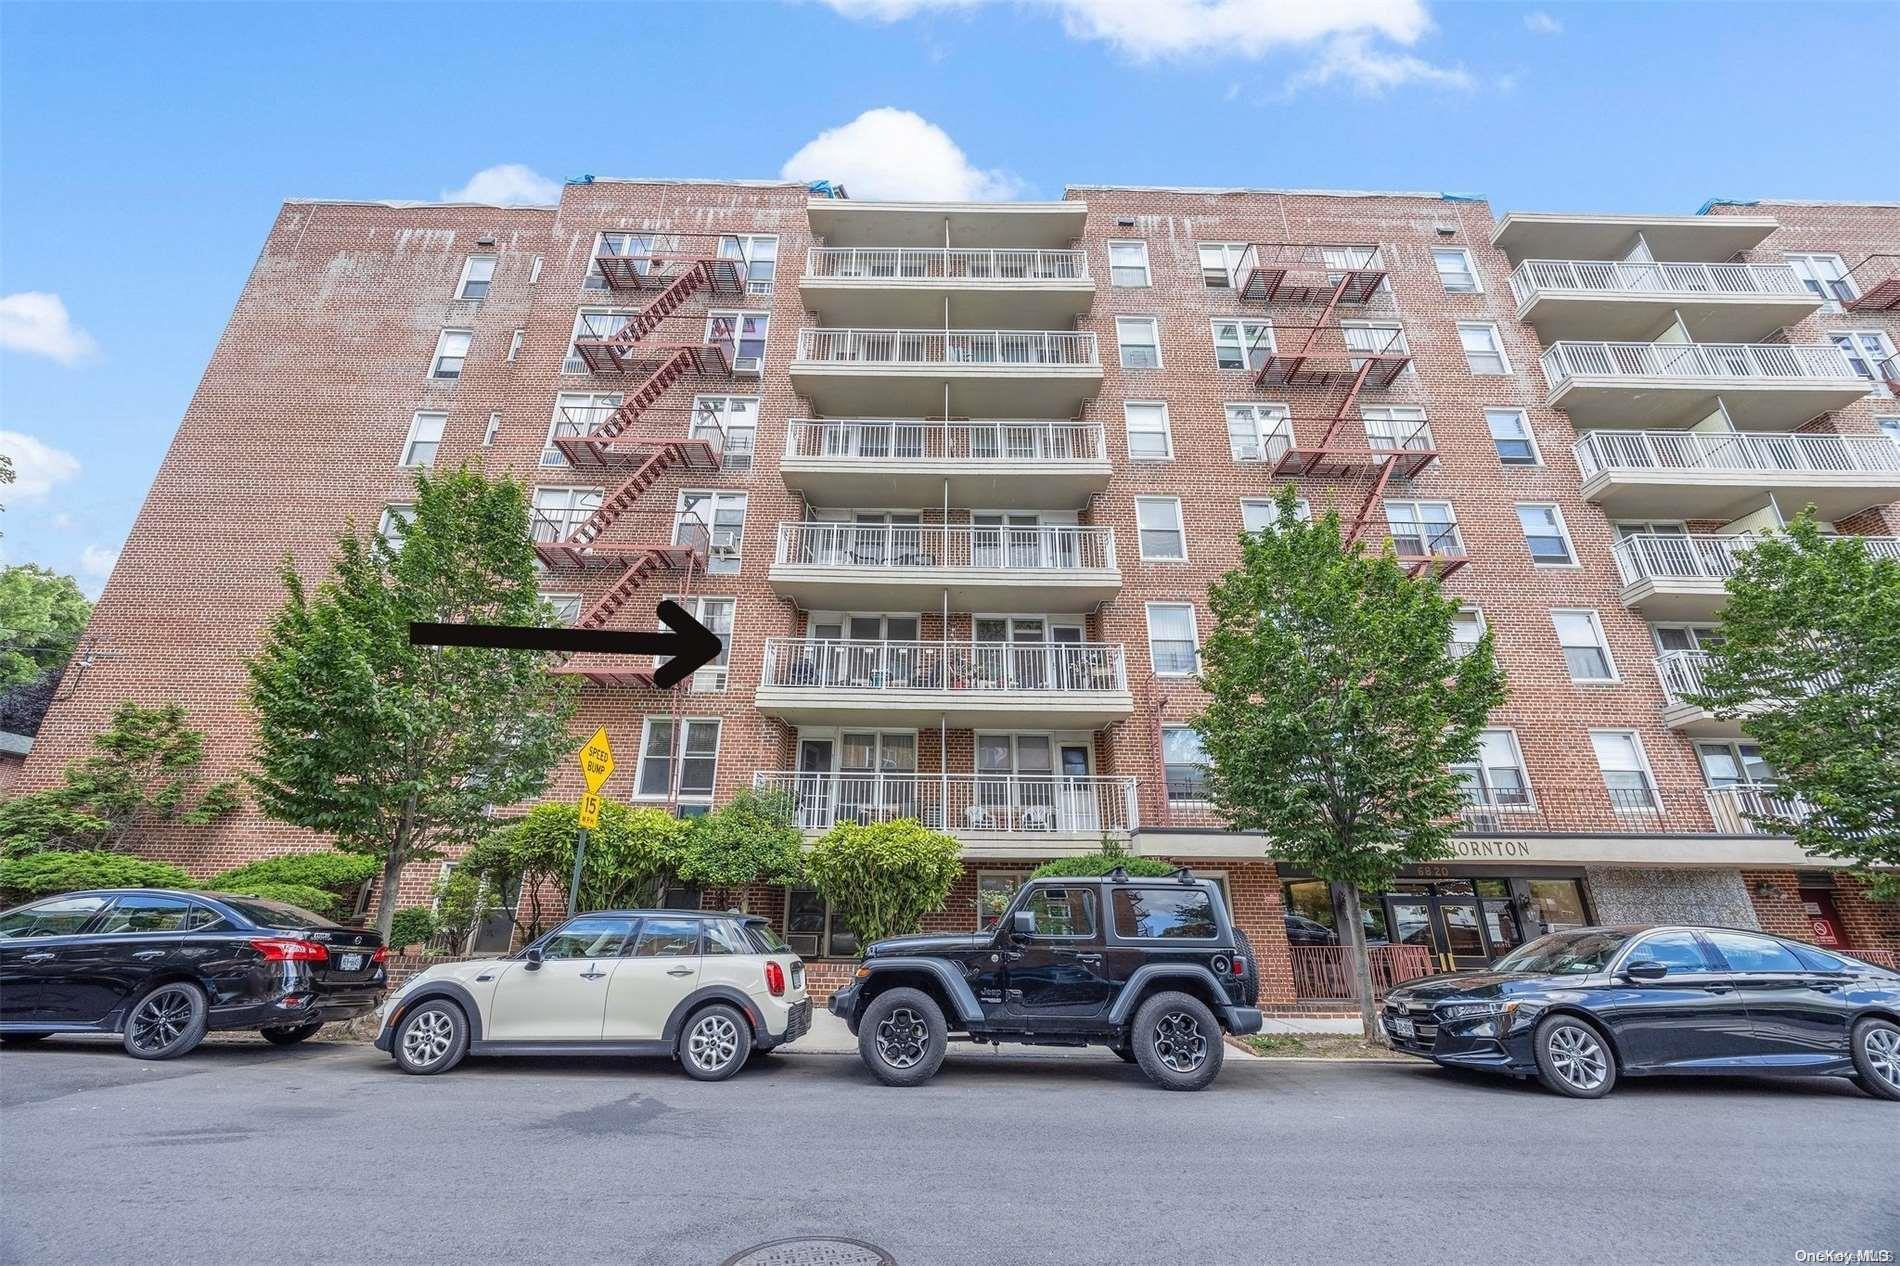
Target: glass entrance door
{"x": 1447, "y": 919}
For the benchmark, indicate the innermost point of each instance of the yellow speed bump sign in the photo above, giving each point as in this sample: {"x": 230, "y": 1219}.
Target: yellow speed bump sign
{"x": 590, "y": 811}
{"x": 597, "y": 760}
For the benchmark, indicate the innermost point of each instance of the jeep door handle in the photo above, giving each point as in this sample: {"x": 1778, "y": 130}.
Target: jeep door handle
{"x": 1089, "y": 958}
{"x": 39, "y": 957}
{"x": 679, "y": 971}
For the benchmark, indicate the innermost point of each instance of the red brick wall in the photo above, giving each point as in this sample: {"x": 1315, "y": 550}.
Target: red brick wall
{"x": 1865, "y": 923}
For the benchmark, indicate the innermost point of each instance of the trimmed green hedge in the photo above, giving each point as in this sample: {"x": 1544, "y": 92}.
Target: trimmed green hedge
{"x": 412, "y": 926}
{"x": 1090, "y": 864}
{"x": 334, "y": 872}
{"x": 54, "y": 871}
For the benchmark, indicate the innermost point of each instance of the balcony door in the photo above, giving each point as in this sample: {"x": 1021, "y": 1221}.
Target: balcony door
{"x": 887, "y": 539}
{"x": 1078, "y": 811}
{"x": 877, "y": 776}
{"x": 815, "y": 795}
{"x": 1015, "y": 789}
{"x": 1019, "y": 539}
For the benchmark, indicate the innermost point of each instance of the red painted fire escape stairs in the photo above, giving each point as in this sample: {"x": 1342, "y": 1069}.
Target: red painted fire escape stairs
{"x": 1877, "y": 278}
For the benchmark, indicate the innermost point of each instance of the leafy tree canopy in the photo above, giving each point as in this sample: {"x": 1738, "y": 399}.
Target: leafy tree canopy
{"x": 750, "y": 839}
{"x": 884, "y": 877}
{"x": 42, "y": 614}
{"x": 629, "y": 855}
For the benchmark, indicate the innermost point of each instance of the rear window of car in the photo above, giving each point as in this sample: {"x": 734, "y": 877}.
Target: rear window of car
{"x": 275, "y": 914}
{"x": 724, "y": 937}
{"x": 1165, "y": 914}
{"x": 1818, "y": 959}
{"x": 1754, "y": 953}
{"x": 765, "y": 938}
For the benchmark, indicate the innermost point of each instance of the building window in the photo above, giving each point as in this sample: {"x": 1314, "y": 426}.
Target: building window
{"x": 730, "y": 424}
{"x": 494, "y": 429}
{"x": 425, "y": 437}
{"x": 577, "y": 413}
{"x": 1159, "y": 521}
{"x": 1890, "y": 427}
{"x": 534, "y": 270}
{"x": 1220, "y": 264}
{"x": 811, "y": 929}
{"x": 1495, "y": 778}
{"x": 451, "y": 349}
{"x": 758, "y": 253}
{"x": 715, "y": 523}
{"x": 567, "y": 607}
{"x": 1257, "y": 514}
{"x": 1511, "y": 436}
{"x": 1242, "y": 344}
{"x": 687, "y": 772}
{"x": 1128, "y": 264}
{"x": 559, "y": 511}
{"x": 591, "y": 323}
{"x": 1258, "y": 432}
{"x": 716, "y": 615}
{"x": 1484, "y": 354}
{"x": 1456, "y": 270}
{"x": 1825, "y": 276}
{"x": 1865, "y": 351}
{"x": 394, "y": 525}
{"x": 1544, "y": 532}
{"x": 1172, "y": 639}
{"x": 1184, "y": 764}
{"x": 639, "y": 246}
{"x": 1467, "y": 626}
{"x": 1586, "y": 654}
{"x": 1625, "y": 770}
{"x": 478, "y": 272}
{"x": 1139, "y": 341}
{"x": 1423, "y": 529}
{"x": 514, "y": 344}
{"x": 1733, "y": 764}
{"x": 742, "y": 335}
{"x": 1148, "y": 434}
{"x": 1390, "y": 427}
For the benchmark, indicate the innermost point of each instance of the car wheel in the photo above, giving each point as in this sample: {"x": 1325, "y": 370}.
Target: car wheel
{"x": 431, "y": 1039}
{"x": 167, "y": 1022}
{"x": 1177, "y": 1041}
{"x": 1574, "y": 1059}
{"x": 902, "y": 1037}
{"x": 21, "y": 1039}
{"x": 290, "y": 1036}
{"x": 715, "y": 1043}
{"x": 1877, "y": 1057}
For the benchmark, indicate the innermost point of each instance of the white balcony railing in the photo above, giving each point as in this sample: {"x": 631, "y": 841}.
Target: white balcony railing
{"x": 1681, "y": 674}
{"x": 1756, "y": 808}
{"x": 912, "y": 440}
{"x": 895, "y": 545}
{"x": 1678, "y": 556}
{"x": 965, "y": 804}
{"x": 1569, "y": 278}
{"x": 1754, "y": 362}
{"x": 953, "y": 263}
{"x": 1002, "y": 348}
{"x": 958, "y": 667}
{"x": 1735, "y": 452}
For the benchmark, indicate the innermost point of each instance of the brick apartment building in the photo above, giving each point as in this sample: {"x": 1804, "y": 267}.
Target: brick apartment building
{"x": 955, "y": 479}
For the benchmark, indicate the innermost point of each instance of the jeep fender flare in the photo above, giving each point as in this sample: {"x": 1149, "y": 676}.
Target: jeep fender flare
{"x": 955, "y": 988}
{"x": 713, "y": 993}
{"x": 1150, "y": 973}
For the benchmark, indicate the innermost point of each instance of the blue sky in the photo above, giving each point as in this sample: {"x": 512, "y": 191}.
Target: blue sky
{"x": 146, "y": 148}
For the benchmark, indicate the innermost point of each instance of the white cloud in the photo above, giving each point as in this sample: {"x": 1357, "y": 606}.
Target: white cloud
{"x": 1537, "y": 22}
{"x": 508, "y": 185}
{"x": 36, "y": 466}
{"x": 894, "y": 154}
{"x": 1372, "y": 72}
{"x": 95, "y": 567}
{"x": 35, "y": 322}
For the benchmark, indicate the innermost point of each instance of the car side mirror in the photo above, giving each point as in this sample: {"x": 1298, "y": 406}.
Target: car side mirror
{"x": 532, "y": 957}
{"x": 1645, "y": 970}
{"x": 1023, "y": 923}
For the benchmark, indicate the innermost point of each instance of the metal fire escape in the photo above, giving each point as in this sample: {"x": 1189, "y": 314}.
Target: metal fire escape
{"x": 1877, "y": 278}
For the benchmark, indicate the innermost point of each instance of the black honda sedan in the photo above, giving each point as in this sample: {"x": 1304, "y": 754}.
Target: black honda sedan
{"x": 1579, "y": 1009}
{"x": 162, "y": 968}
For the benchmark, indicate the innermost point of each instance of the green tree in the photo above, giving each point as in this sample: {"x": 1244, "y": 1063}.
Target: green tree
{"x": 1338, "y": 705}
{"x": 400, "y": 751}
{"x": 750, "y": 839}
{"x": 630, "y": 854}
{"x": 1810, "y": 661}
{"x": 42, "y": 614}
{"x": 143, "y": 772}
{"x": 884, "y": 877}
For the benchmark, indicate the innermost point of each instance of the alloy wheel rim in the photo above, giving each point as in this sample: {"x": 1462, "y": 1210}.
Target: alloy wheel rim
{"x": 1179, "y": 1042}
{"x": 428, "y": 1038}
{"x": 162, "y": 1018}
{"x": 1883, "y": 1052}
{"x": 1578, "y": 1057}
{"x": 714, "y": 1041}
{"x": 901, "y": 1038}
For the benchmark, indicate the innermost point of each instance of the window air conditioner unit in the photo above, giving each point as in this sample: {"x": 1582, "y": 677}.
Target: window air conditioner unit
{"x": 725, "y": 543}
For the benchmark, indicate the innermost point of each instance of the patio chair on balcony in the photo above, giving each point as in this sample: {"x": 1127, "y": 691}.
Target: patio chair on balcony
{"x": 976, "y": 817}
{"x": 1039, "y": 817}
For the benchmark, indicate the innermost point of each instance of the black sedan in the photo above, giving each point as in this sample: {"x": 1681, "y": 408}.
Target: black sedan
{"x": 163, "y": 968}
{"x": 1579, "y": 1009}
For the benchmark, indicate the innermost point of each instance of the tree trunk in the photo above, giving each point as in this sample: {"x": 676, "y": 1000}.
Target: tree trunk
{"x": 1352, "y": 936}
{"x": 392, "y": 871}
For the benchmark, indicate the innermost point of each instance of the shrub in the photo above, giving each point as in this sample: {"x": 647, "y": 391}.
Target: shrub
{"x": 1100, "y": 863}
{"x": 330, "y": 870}
{"x": 48, "y": 873}
{"x": 462, "y": 898}
{"x": 628, "y": 855}
{"x": 411, "y": 926}
{"x": 883, "y": 878}
{"x": 315, "y": 900}
{"x": 749, "y": 839}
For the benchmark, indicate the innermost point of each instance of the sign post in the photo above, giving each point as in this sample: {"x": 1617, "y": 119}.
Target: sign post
{"x": 597, "y": 762}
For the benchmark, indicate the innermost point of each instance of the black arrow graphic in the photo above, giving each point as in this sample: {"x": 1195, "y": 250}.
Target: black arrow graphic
{"x": 691, "y": 644}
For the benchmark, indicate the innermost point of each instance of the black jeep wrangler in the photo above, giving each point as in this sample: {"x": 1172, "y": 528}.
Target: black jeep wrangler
{"x": 1154, "y": 969}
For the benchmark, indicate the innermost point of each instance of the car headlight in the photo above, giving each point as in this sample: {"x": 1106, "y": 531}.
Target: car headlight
{"x": 1478, "y": 1010}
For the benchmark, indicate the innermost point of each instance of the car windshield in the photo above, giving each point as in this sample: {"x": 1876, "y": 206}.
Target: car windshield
{"x": 275, "y": 914}
{"x": 1563, "y": 954}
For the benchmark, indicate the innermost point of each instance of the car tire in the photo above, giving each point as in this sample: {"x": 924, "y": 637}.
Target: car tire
{"x": 714, "y": 1043}
{"x": 432, "y": 1038}
{"x": 1177, "y": 1041}
{"x": 168, "y": 1021}
{"x": 902, "y": 1037}
{"x": 1876, "y": 1049}
{"x": 1574, "y": 1058}
{"x": 290, "y": 1036}
{"x": 21, "y": 1039}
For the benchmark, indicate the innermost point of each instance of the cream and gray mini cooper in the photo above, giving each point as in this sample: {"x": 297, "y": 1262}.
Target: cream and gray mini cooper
{"x": 709, "y": 989}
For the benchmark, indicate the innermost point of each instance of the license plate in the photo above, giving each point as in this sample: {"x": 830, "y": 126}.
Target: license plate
{"x": 1402, "y": 1027}
{"x": 349, "y": 962}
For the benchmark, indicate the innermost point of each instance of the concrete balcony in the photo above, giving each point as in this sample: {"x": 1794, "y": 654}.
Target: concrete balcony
{"x": 1764, "y": 386}
{"x": 905, "y": 372}
{"x": 911, "y": 567}
{"x": 1593, "y": 298}
{"x": 1756, "y": 808}
{"x": 1681, "y": 674}
{"x": 1065, "y": 685}
{"x": 850, "y": 222}
{"x": 1560, "y": 235}
{"x": 1031, "y": 465}
{"x": 915, "y": 285}
{"x": 995, "y": 815}
{"x": 1677, "y": 576}
{"x": 1721, "y": 475}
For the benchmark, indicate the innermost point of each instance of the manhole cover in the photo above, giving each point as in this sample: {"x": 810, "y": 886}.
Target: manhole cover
{"x": 812, "y": 1250}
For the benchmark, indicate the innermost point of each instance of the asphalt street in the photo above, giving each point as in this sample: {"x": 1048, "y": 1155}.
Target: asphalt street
{"x": 244, "y": 1153}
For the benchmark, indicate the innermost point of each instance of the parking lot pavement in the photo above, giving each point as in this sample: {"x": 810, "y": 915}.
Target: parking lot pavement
{"x": 245, "y": 1153}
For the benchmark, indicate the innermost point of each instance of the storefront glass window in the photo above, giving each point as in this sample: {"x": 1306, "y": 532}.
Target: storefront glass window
{"x": 1559, "y": 904}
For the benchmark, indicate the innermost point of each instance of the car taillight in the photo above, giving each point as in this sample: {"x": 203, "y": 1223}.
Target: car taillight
{"x": 286, "y": 950}
{"x": 381, "y": 955}
{"x": 1240, "y": 965}
{"x": 774, "y": 979}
